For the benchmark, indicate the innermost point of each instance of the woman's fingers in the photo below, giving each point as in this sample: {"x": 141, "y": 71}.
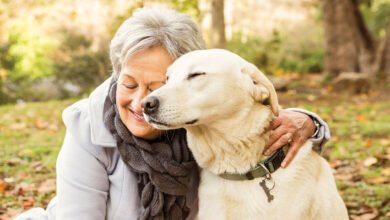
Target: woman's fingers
{"x": 278, "y": 139}
{"x": 275, "y": 123}
{"x": 292, "y": 151}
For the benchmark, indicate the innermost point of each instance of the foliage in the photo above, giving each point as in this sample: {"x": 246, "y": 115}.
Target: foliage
{"x": 24, "y": 58}
{"x": 376, "y": 14}
{"x": 190, "y": 7}
{"x": 305, "y": 60}
{"x": 27, "y": 52}
{"x": 76, "y": 62}
{"x": 278, "y": 54}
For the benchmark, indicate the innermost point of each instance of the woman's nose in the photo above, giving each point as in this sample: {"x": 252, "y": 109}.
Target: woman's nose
{"x": 137, "y": 100}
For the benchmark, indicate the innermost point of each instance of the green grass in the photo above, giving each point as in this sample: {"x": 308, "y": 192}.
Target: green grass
{"x": 360, "y": 129}
{"x": 31, "y": 136}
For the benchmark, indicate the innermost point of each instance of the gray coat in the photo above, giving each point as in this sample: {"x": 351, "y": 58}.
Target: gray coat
{"x": 92, "y": 180}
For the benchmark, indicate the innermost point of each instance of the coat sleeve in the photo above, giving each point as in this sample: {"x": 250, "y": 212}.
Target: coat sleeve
{"x": 323, "y": 133}
{"x": 82, "y": 179}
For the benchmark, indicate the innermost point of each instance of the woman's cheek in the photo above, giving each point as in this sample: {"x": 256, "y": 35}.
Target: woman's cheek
{"x": 122, "y": 98}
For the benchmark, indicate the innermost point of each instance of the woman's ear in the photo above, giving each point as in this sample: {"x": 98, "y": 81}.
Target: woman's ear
{"x": 262, "y": 89}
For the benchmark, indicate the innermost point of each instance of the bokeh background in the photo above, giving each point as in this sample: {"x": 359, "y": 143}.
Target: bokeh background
{"x": 328, "y": 56}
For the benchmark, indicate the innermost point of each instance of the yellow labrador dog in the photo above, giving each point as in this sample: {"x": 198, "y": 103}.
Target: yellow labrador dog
{"x": 225, "y": 104}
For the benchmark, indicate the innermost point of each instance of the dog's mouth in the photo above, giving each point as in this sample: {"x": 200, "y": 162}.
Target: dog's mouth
{"x": 157, "y": 123}
{"x": 165, "y": 126}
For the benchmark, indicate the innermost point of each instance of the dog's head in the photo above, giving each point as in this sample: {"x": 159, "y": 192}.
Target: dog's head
{"x": 205, "y": 86}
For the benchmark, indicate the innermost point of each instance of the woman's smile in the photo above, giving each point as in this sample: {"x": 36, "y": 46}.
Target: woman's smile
{"x": 139, "y": 117}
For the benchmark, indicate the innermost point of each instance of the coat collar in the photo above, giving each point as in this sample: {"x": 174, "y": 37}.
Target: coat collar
{"x": 100, "y": 135}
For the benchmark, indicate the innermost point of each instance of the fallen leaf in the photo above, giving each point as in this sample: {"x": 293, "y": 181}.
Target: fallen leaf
{"x": 377, "y": 180}
{"x": 361, "y": 118}
{"x": 37, "y": 166}
{"x": 365, "y": 213}
{"x": 28, "y": 203}
{"x": 335, "y": 163}
{"x": 53, "y": 127}
{"x": 14, "y": 161}
{"x": 384, "y": 142}
{"x": 370, "y": 161}
{"x": 3, "y": 186}
{"x": 41, "y": 124}
{"x": 356, "y": 136}
{"x": 47, "y": 186}
{"x": 311, "y": 98}
{"x": 351, "y": 205}
{"x": 367, "y": 216}
{"x": 17, "y": 126}
{"x": 386, "y": 171}
{"x": 367, "y": 143}
{"x": 25, "y": 152}
{"x": 9, "y": 179}
{"x": 19, "y": 191}
{"x": 22, "y": 188}
{"x": 21, "y": 175}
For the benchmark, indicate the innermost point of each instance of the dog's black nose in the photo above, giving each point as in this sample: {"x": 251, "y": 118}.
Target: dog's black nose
{"x": 150, "y": 105}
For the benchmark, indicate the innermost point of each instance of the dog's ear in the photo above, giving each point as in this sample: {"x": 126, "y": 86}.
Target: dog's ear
{"x": 262, "y": 89}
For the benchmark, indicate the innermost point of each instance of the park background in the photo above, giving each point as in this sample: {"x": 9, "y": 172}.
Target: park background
{"x": 328, "y": 56}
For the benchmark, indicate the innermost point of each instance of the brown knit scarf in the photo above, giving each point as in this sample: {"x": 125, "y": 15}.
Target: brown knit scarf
{"x": 164, "y": 167}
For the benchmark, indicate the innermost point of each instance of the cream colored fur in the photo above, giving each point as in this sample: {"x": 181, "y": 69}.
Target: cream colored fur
{"x": 225, "y": 106}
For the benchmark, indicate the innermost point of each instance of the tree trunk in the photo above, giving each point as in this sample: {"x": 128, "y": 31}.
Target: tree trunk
{"x": 385, "y": 61}
{"x": 218, "y": 38}
{"x": 349, "y": 46}
{"x": 341, "y": 49}
{"x": 367, "y": 49}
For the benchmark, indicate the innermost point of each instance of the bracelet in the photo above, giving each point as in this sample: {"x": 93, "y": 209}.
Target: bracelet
{"x": 317, "y": 127}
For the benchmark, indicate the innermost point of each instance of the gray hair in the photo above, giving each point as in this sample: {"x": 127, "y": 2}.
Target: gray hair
{"x": 154, "y": 26}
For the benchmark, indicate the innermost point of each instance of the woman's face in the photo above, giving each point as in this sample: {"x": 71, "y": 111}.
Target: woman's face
{"x": 143, "y": 73}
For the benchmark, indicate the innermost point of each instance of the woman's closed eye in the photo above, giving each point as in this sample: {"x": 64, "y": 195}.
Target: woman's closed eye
{"x": 130, "y": 86}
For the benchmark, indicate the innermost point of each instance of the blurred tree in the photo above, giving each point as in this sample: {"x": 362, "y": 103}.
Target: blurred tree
{"x": 76, "y": 62}
{"x": 24, "y": 58}
{"x": 349, "y": 44}
{"x": 218, "y": 38}
{"x": 385, "y": 62}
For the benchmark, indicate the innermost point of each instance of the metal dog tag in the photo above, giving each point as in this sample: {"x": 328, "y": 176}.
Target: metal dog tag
{"x": 267, "y": 190}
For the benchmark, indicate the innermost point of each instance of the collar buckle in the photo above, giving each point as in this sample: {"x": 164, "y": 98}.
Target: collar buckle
{"x": 268, "y": 176}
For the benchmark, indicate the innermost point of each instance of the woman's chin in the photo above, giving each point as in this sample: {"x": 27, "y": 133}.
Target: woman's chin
{"x": 144, "y": 131}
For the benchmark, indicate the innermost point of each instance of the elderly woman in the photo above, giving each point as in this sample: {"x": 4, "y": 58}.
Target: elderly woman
{"x": 113, "y": 165}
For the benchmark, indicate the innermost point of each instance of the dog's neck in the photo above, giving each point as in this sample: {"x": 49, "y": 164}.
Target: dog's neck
{"x": 233, "y": 145}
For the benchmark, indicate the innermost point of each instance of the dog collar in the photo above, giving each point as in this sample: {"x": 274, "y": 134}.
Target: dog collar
{"x": 268, "y": 166}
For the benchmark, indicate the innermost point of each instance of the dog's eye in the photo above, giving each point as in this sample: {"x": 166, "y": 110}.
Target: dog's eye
{"x": 193, "y": 75}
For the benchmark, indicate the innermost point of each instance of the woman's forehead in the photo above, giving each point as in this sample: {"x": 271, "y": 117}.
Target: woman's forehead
{"x": 149, "y": 63}
{"x": 145, "y": 74}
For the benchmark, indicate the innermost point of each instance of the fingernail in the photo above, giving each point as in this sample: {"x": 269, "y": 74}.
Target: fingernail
{"x": 284, "y": 164}
{"x": 267, "y": 152}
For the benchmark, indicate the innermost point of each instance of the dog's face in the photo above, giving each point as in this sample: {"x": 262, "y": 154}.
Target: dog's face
{"x": 206, "y": 86}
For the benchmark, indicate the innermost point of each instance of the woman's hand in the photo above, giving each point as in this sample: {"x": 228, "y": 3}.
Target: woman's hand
{"x": 289, "y": 127}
